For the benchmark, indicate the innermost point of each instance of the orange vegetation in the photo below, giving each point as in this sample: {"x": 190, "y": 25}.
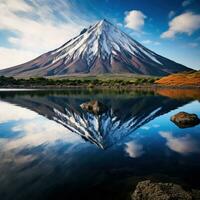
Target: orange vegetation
{"x": 181, "y": 79}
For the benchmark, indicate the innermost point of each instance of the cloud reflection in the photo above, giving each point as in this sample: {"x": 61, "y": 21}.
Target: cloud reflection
{"x": 9, "y": 112}
{"x": 145, "y": 127}
{"x": 183, "y": 145}
{"x": 33, "y": 129}
{"x": 40, "y": 132}
{"x": 133, "y": 149}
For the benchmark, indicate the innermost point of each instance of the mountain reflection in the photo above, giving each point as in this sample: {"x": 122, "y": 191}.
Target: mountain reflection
{"x": 125, "y": 114}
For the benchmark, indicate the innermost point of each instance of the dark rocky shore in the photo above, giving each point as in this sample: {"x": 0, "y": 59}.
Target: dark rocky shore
{"x": 148, "y": 190}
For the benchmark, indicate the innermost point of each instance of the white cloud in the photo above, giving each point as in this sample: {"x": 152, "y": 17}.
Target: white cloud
{"x": 185, "y": 23}
{"x": 156, "y": 43}
{"x": 186, "y": 3}
{"x": 16, "y": 5}
{"x": 183, "y": 145}
{"x": 150, "y": 42}
{"x": 36, "y": 28}
{"x": 171, "y": 14}
{"x": 146, "y": 41}
{"x": 134, "y": 149}
{"x": 135, "y": 20}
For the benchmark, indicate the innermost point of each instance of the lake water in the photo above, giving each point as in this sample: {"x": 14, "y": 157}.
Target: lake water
{"x": 50, "y": 147}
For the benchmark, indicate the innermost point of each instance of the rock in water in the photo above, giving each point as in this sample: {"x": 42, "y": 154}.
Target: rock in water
{"x": 94, "y": 107}
{"x": 146, "y": 190}
{"x": 185, "y": 120}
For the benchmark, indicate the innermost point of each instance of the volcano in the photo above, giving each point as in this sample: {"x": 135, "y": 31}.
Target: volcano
{"x": 102, "y": 48}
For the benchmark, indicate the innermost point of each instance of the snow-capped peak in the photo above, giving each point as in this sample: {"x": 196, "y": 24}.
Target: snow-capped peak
{"x": 101, "y": 40}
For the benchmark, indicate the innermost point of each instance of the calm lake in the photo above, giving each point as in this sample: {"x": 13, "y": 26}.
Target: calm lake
{"x": 51, "y": 148}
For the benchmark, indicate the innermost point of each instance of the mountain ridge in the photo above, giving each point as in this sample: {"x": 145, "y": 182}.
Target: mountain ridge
{"x": 100, "y": 49}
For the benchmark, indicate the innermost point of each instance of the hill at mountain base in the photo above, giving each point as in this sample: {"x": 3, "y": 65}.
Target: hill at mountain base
{"x": 181, "y": 79}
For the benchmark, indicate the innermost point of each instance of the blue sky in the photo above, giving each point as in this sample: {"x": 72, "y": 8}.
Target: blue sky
{"x": 31, "y": 27}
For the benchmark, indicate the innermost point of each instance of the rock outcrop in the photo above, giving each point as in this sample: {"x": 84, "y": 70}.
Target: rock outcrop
{"x": 147, "y": 190}
{"x": 94, "y": 107}
{"x": 185, "y": 120}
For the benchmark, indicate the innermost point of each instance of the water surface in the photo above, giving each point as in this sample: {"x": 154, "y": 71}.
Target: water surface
{"x": 50, "y": 147}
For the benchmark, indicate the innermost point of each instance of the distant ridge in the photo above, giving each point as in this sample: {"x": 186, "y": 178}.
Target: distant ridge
{"x": 102, "y": 48}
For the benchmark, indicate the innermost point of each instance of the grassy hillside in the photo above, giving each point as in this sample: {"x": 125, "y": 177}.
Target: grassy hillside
{"x": 105, "y": 77}
{"x": 181, "y": 79}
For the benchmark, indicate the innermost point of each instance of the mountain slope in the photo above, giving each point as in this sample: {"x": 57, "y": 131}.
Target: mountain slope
{"x": 102, "y": 48}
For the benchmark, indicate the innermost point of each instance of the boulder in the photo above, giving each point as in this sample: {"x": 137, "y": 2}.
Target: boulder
{"x": 147, "y": 190}
{"x": 185, "y": 120}
{"x": 94, "y": 107}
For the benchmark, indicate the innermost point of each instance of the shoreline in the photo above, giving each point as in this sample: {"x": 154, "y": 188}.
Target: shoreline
{"x": 114, "y": 87}
{"x": 172, "y": 92}
{"x": 103, "y": 82}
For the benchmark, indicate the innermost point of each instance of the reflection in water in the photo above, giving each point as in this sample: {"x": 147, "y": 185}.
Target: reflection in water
{"x": 47, "y": 146}
{"x": 31, "y": 129}
{"x": 123, "y": 117}
{"x": 181, "y": 144}
{"x": 179, "y": 93}
{"x": 134, "y": 149}
{"x": 11, "y": 112}
{"x": 33, "y": 134}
